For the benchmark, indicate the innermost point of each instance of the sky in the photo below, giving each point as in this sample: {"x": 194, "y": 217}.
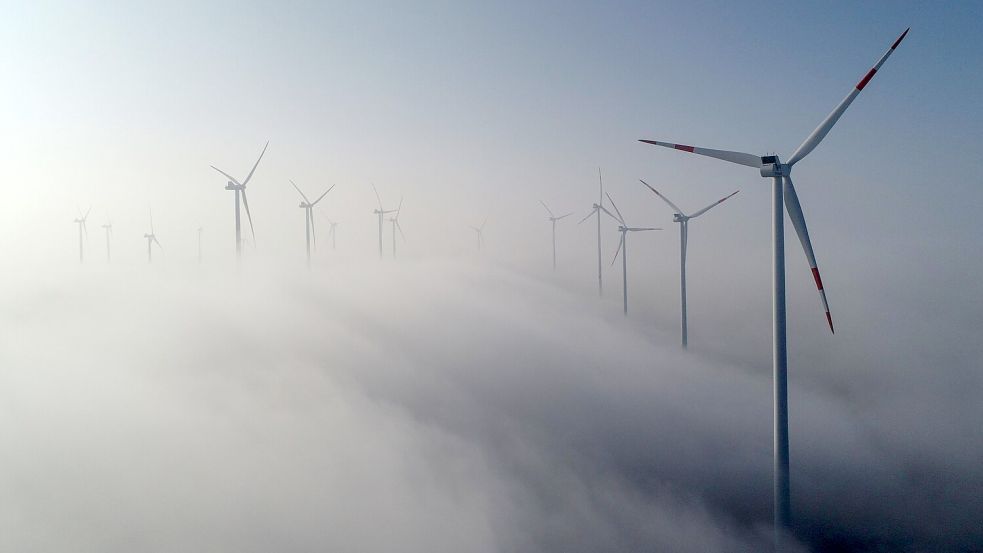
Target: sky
{"x": 471, "y": 112}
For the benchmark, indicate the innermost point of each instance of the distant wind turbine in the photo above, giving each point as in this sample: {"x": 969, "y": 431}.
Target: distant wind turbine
{"x": 108, "y": 227}
{"x": 479, "y": 233}
{"x": 683, "y": 220}
{"x": 151, "y": 239}
{"x": 83, "y": 231}
{"x": 553, "y": 219}
{"x": 783, "y": 193}
{"x": 624, "y": 229}
{"x": 332, "y": 229}
{"x": 596, "y": 210}
{"x": 381, "y": 213}
{"x": 308, "y": 207}
{"x": 395, "y": 222}
{"x": 240, "y": 189}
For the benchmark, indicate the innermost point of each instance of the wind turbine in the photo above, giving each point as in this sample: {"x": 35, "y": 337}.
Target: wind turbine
{"x": 381, "y": 213}
{"x": 80, "y": 221}
{"x": 479, "y": 233}
{"x": 308, "y": 207}
{"x": 240, "y": 190}
{"x": 553, "y": 219}
{"x": 624, "y": 229}
{"x": 596, "y": 210}
{"x": 151, "y": 239}
{"x": 395, "y": 222}
{"x": 783, "y": 191}
{"x": 108, "y": 227}
{"x": 683, "y": 220}
{"x": 333, "y": 225}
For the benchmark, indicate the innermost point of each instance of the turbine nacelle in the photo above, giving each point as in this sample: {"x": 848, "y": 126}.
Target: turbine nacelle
{"x": 679, "y": 218}
{"x": 771, "y": 167}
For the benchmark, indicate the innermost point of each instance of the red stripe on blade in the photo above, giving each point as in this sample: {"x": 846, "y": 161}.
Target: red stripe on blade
{"x": 815, "y": 275}
{"x": 863, "y": 82}
{"x": 683, "y": 148}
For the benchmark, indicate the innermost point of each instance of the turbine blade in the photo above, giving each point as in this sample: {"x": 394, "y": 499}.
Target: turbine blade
{"x": 156, "y": 241}
{"x": 399, "y": 227}
{"x": 711, "y": 206}
{"x": 253, "y": 170}
{"x": 374, "y": 189}
{"x": 482, "y": 227}
{"x": 310, "y": 215}
{"x": 621, "y": 245}
{"x": 228, "y": 176}
{"x": 817, "y": 135}
{"x": 299, "y": 191}
{"x": 794, "y": 210}
{"x": 562, "y": 216}
{"x": 87, "y": 213}
{"x": 734, "y": 157}
{"x": 616, "y": 210}
{"x": 398, "y": 208}
{"x": 604, "y": 209}
{"x": 639, "y": 229}
{"x": 245, "y": 202}
{"x": 665, "y": 199}
{"x": 589, "y": 215}
{"x": 547, "y": 208}
{"x": 321, "y": 197}
{"x": 600, "y": 183}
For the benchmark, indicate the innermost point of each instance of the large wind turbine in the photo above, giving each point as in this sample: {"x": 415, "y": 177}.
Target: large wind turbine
{"x": 553, "y": 219}
{"x": 240, "y": 189}
{"x": 683, "y": 220}
{"x": 479, "y": 233}
{"x": 83, "y": 231}
{"x": 381, "y": 213}
{"x": 624, "y": 229}
{"x": 151, "y": 239}
{"x": 596, "y": 210}
{"x": 108, "y": 227}
{"x": 395, "y": 222}
{"x": 783, "y": 191}
{"x": 308, "y": 207}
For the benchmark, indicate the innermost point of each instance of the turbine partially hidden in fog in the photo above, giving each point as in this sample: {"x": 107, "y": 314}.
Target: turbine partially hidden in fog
{"x": 381, "y": 213}
{"x": 396, "y": 226}
{"x": 332, "y": 231}
{"x": 783, "y": 191}
{"x": 240, "y": 190}
{"x": 308, "y": 207}
{"x": 683, "y": 220}
{"x": 83, "y": 232}
{"x": 108, "y": 228}
{"x": 624, "y": 229}
{"x": 596, "y": 210}
{"x": 152, "y": 239}
{"x": 479, "y": 233}
{"x": 553, "y": 219}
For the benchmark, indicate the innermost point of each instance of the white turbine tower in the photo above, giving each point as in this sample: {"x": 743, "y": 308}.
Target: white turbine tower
{"x": 553, "y": 219}
{"x": 624, "y": 229}
{"x": 479, "y": 233}
{"x": 381, "y": 213}
{"x": 151, "y": 239}
{"x": 395, "y": 223}
{"x": 308, "y": 207}
{"x": 783, "y": 192}
{"x": 596, "y": 210}
{"x": 83, "y": 231}
{"x": 240, "y": 190}
{"x": 108, "y": 228}
{"x": 683, "y": 220}
{"x": 332, "y": 230}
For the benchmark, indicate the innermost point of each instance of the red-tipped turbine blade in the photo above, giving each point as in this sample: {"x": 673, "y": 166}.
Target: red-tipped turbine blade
{"x": 823, "y": 129}
{"x": 794, "y": 210}
{"x": 734, "y": 157}
{"x": 711, "y": 206}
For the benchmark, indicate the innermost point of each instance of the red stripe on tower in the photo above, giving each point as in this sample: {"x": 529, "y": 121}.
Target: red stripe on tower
{"x": 683, "y": 147}
{"x": 815, "y": 275}
{"x": 863, "y": 82}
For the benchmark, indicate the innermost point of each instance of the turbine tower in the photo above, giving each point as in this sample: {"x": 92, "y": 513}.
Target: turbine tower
{"x": 624, "y": 229}
{"x": 395, "y": 222}
{"x": 151, "y": 239}
{"x": 683, "y": 220}
{"x": 108, "y": 227}
{"x": 553, "y": 219}
{"x": 479, "y": 233}
{"x": 83, "y": 231}
{"x": 381, "y": 213}
{"x": 596, "y": 210}
{"x": 308, "y": 207}
{"x": 332, "y": 228}
{"x": 783, "y": 192}
{"x": 240, "y": 190}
